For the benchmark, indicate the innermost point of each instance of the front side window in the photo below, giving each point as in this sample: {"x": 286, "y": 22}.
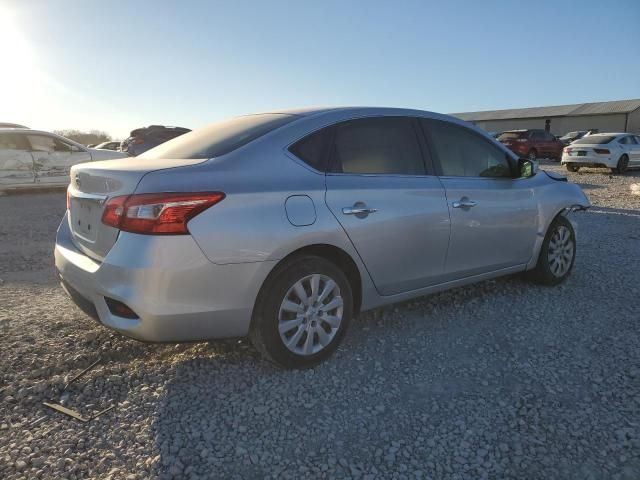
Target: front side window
{"x": 463, "y": 153}
{"x": 45, "y": 143}
{"x": 383, "y": 145}
{"x": 624, "y": 140}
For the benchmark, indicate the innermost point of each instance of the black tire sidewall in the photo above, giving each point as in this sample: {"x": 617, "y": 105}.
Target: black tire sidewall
{"x": 543, "y": 270}
{"x": 622, "y": 166}
{"x": 266, "y": 320}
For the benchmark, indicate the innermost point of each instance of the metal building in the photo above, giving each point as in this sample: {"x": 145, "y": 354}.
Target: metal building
{"x": 616, "y": 116}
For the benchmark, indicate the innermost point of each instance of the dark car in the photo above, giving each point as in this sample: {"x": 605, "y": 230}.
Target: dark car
{"x": 567, "y": 138}
{"x": 142, "y": 139}
{"x": 532, "y": 144}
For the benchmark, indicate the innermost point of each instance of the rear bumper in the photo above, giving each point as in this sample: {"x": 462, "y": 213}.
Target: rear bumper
{"x": 176, "y": 292}
{"x": 590, "y": 161}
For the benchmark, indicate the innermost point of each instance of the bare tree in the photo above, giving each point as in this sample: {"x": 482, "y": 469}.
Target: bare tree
{"x": 92, "y": 137}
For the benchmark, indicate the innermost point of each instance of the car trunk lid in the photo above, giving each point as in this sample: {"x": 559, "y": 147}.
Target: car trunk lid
{"x": 92, "y": 184}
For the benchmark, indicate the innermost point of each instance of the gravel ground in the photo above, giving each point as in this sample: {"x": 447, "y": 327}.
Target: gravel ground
{"x": 499, "y": 380}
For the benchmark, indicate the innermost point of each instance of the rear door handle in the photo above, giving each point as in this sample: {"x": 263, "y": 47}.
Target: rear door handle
{"x": 464, "y": 203}
{"x": 359, "y": 209}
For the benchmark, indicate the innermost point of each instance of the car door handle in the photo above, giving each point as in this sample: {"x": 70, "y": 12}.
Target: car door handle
{"x": 358, "y": 210}
{"x": 464, "y": 203}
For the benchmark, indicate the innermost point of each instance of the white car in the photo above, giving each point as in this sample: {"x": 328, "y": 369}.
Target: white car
{"x": 617, "y": 151}
{"x": 31, "y": 158}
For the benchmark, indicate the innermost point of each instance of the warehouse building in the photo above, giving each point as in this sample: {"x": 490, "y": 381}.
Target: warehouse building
{"x": 616, "y": 116}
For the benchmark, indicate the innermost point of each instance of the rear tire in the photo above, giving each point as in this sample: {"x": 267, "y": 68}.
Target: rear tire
{"x": 623, "y": 163}
{"x": 302, "y": 312}
{"x": 557, "y": 254}
{"x": 572, "y": 168}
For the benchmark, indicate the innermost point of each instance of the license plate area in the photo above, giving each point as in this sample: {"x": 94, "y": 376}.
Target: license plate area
{"x": 581, "y": 153}
{"x": 85, "y": 218}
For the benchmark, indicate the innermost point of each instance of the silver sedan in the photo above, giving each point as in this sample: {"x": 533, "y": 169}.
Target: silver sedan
{"x": 283, "y": 226}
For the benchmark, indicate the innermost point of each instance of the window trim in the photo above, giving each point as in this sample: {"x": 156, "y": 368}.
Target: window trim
{"x": 438, "y": 166}
{"x": 412, "y": 122}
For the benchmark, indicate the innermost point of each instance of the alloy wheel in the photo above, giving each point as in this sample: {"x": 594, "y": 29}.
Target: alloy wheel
{"x": 310, "y": 314}
{"x": 561, "y": 248}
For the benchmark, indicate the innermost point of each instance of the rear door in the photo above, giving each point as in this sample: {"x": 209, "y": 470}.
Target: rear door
{"x": 392, "y": 209}
{"x": 493, "y": 214}
{"x": 16, "y": 162}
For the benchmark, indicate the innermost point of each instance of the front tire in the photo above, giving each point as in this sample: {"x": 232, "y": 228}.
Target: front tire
{"x": 557, "y": 254}
{"x": 302, "y": 313}
{"x": 572, "y": 168}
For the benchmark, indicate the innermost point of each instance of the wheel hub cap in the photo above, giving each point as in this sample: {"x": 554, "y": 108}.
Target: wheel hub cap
{"x": 561, "y": 249}
{"x": 310, "y": 314}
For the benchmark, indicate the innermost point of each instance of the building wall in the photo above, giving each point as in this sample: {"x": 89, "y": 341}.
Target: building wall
{"x": 562, "y": 125}
{"x": 633, "y": 124}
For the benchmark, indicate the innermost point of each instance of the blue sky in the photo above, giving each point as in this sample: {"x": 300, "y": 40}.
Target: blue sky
{"x": 116, "y": 65}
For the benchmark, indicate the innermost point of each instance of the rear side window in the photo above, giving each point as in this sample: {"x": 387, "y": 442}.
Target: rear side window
{"x": 512, "y": 135}
{"x": 312, "y": 149}
{"x": 384, "y": 145}
{"x": 463, "y": 153}
{"x": 13, "y": 141}
{"x": 220, "y": 138}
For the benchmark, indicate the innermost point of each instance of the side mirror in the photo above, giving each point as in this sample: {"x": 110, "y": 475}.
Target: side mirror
{"x": 527, "y": 168}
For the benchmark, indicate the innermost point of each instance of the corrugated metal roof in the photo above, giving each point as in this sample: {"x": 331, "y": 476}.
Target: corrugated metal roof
{"x": 596, "y": 108}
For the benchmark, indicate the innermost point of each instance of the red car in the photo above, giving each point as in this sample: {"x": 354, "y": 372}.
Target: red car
{"x": 532, "y": 144}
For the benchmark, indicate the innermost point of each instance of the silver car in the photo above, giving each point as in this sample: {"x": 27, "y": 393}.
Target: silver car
{"x": 283, "y": 226}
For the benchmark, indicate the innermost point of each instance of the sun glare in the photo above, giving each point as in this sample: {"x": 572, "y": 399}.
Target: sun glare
{"x": 20, "y": 71}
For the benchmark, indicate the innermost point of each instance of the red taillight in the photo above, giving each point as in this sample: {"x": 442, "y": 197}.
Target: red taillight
{"x": 157, "y": 213}
{"x": 568, "y": 151}
{"x": 137, "y": 140}
{"x": 68, "y": 199}
{"x": 601, "y": 151}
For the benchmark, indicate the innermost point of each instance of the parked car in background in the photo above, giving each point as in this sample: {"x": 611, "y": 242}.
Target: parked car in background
{"x": 283, "y": 226}
{"x": 142, "y": 139}
{"x": 11, "y": 125}
{"x": 108, "y": 146}
{"x": 532, "y": 144}
{"x": 567, "y": 138}
{"x": 35, "y": 158}
{"x": 617, "y": 151}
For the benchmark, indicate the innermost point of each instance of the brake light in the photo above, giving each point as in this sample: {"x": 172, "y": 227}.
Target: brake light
{"x": 157, "y": 213}
{"x": 568, "y": 151}
{"x": 137, "y": 140}
{"x": 601, "y": 151}
{"x": 68, "y": 200}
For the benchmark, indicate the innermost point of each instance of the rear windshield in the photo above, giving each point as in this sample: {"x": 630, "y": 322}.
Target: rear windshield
{"x": 219, "y": 138}
{"x": 594, "y": 140}
{"x": 512, "y": 135}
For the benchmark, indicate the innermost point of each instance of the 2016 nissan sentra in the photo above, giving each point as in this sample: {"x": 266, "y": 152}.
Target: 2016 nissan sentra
{"x": 283, "y": 226}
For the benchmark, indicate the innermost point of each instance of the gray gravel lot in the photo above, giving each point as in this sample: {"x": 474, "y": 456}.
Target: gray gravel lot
{"x": 502, "y": 379}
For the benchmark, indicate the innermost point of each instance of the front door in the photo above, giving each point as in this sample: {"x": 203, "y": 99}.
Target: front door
{"x": 53, "y": 158}
{"x": 394, "y": 213}
{"x": 493, "y": 214}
